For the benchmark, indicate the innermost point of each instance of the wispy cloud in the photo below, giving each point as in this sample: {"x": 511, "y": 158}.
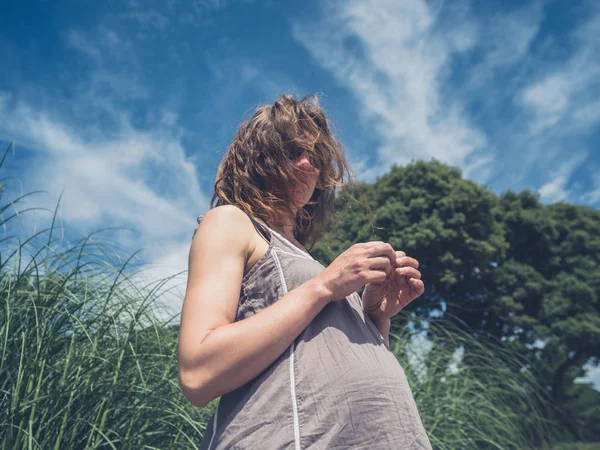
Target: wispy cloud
{"x": 508, "y": 37}
{"x": 236, "y": 74}
{"x": 561, "y": 95}
{"x": 115, "y": 177}
{"x": 98, "y": 45}
{"x": 134, "y": 178}
{"x": 555, "y": 190}
{"x": 504, "y": 42}
{"x": 394, "y": 60}
{"x": 593, "y": 195}
{"x": 548, "y": 99}
{"x": 429, "y": 88}
{"x": 116, "y": 169}
{"x": 561, "y": 109}
{"x": 114, "y": 72}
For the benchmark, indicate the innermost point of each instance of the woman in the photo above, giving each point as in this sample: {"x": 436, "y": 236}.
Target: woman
{"x": 298, "y": 358}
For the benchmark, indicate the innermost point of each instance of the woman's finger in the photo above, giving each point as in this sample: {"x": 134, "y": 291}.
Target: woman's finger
{"x": 408, "y": 272}
{"x": 380, "y": 263}
{"x": 407, "y": 261}
{"x": 400, "y": 254}
{"x": 379, "y": 248}
{"x": 417, "y": 285}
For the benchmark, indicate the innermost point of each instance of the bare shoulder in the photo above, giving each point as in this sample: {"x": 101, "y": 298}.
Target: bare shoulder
{"x": 226, "y": 227}
{"x": 226, "y": 213}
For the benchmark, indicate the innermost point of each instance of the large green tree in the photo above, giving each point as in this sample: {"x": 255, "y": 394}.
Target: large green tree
{"x": 505, "y": 266}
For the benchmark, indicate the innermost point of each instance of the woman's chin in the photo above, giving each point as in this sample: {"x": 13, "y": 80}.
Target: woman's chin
{"x": 301, "y": 198}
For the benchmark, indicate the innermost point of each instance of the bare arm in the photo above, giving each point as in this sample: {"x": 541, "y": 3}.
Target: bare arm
{"x": 383, "y": 325}
{"x": 216, "y": 354}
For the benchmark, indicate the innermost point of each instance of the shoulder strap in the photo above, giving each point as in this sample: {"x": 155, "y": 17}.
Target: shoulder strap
{"x": 260, "y": 228}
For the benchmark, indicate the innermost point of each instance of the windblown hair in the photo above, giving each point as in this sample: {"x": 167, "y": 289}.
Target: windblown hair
{"x": 257, "y": 172}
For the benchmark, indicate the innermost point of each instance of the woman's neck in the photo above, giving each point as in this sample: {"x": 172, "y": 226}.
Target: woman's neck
{"x": 287, "y": 231}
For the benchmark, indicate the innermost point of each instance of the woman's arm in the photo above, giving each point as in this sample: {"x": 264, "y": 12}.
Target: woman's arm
{"x": 383, "y": 325}
{"x": 216, "y": 354}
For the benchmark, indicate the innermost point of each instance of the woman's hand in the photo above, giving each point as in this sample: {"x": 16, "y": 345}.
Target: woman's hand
{"x": 383, "y": 300}
{"x": 361, "y": 264}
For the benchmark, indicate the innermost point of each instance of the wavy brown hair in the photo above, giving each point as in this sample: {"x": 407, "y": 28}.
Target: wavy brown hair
{"x": 258, "y": 167}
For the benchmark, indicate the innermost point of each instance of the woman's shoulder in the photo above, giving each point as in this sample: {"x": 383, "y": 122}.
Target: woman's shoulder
{"x": 231, "y": 212}
{"x": 225, "y": 222}
{"x": 234, "y": 229}
{"x": 228, "y": 215}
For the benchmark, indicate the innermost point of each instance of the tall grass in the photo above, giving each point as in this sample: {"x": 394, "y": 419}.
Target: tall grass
{"x": 474, "y": 398}
{"x": 86, "y": 364}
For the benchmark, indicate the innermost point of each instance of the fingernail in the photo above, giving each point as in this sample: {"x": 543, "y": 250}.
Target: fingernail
{"x": 399, "y": 260}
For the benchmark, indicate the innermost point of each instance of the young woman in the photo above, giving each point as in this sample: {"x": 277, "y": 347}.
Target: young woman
{"x": 298, "y": 358}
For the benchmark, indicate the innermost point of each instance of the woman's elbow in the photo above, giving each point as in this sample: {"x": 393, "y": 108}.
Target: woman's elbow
{"x": 194, "y": 390}
{"x": 197, "y": 399}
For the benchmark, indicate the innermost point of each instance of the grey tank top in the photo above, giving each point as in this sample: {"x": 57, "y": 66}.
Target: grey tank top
{"x": 337, "y": 386}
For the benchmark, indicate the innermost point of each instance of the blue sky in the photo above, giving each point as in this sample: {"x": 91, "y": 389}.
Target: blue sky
{"x": 129, "y": 106}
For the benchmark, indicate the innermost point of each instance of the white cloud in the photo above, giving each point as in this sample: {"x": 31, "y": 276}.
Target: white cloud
{"x": 555, "y": 190}
{"x": 392, "y": 58}
{"x": 478, "y": 167}
{"x": 561, "y": 100}
{"x": 562, "y": 109}
{"x": 506, "y": 40}
{"x": 510, "y": 36}
{"x": 99, "y": 45}
{"x": 115, "y": 72}
{"x": 593, "y": 196}
{"x": 79, "y": 41}
{"x": 165, "y": 261}
{"x": 549, "y": 100}
{"x": 238, "y": 74}
{"x": 113, "y": 173}
{"x": 106, "y": 174}
{"x": 402, "y": 60}
{"x": 363, "y": 170}
{"x": 136, "y": 179}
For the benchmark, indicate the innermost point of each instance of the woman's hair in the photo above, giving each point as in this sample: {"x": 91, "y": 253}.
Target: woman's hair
{"x": 258, "y": 168}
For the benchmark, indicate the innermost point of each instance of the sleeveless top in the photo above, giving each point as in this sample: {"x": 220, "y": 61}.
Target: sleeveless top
{"x": 337, "y": 386}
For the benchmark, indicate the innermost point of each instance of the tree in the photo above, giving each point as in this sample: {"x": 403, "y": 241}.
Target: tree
{"x": 505, "y": 266}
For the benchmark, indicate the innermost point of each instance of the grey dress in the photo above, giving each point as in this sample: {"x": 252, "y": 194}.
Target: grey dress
{"x": 337, "y": 386}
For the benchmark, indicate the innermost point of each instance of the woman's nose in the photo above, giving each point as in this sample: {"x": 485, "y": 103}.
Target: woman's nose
{"x": 305, "y": 164}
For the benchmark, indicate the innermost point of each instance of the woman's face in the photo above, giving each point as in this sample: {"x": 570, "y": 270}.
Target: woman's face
{"x": 309, "y": 175}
